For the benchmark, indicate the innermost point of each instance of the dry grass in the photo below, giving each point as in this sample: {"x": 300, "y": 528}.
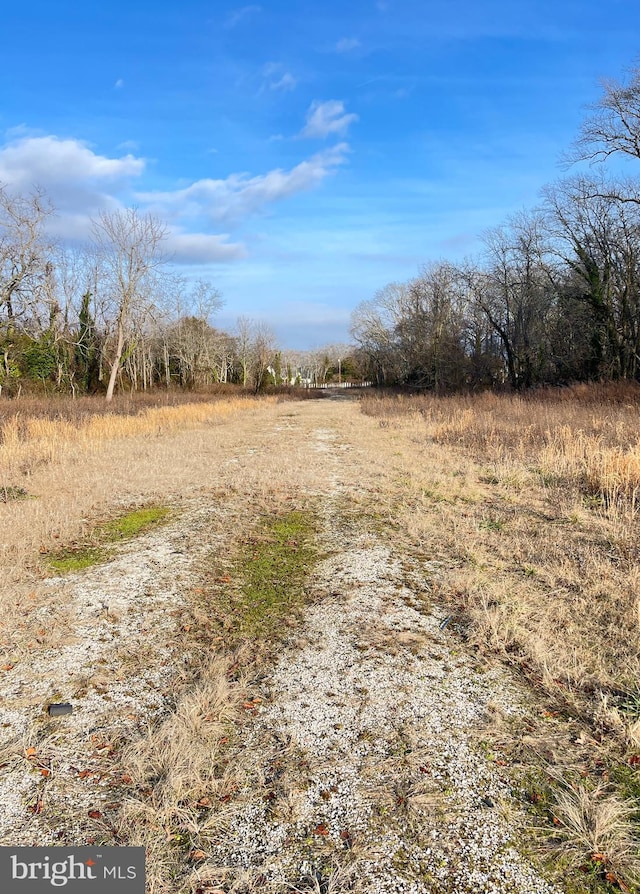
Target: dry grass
{"x": 83, "y": 473}
{"x": 179, "y": 776}
{"x": 583, "y": 437}
{"x": 531, "y": 506}
{"x": 538, "y": 564}
{"x": 597, "y": 830}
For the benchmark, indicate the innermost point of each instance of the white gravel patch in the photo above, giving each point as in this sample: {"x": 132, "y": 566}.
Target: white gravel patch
{"x": 380, "y": 707}
{"x": 118, "y": 609}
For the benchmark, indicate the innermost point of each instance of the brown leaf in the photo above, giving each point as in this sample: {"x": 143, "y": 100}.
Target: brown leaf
{"x": 197, "y": 855}
{"x": 126, "y": 779}
{"x": 204, "y": 802}
{"x": 30, "y": 751}
{"x": 94, "y": 814}
{"x": 44, "y": 771}
{"x": 321, "y": 829}
{"x": 613, "y": 878}
{"x": 7, "y": 667}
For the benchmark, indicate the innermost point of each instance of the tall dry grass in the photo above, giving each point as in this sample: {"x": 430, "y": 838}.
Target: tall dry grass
{"x": 530, "y": 503}
{"x": 29, "y": 442}
{"x": 586, "y": 437}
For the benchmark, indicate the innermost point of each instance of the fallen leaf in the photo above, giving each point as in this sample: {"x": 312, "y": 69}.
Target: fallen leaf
{"x": 94, "y": 814}
{"x": 44, "y": 771}
{"x": 126, "y": 779}
{"x": 204, "y": 802}
{"x": 30, "y": 751}
{"x": 197, "y": 855}
{"x": 321, "y": 829}
{"x": 613, "y": 878}
{"x": 7, "y": 667}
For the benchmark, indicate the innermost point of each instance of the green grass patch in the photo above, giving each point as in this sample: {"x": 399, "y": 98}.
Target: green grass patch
{"x": 66, "y": 561}
{"x": 138, "y": 521}
{"x": 95, "y": 549}
{"x": 273, "y": 569}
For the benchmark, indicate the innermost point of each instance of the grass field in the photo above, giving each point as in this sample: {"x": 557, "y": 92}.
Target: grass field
{"x": 522, "y": 512}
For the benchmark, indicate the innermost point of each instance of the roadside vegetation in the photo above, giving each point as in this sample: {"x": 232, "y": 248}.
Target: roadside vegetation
{"x": 529, "y": 506}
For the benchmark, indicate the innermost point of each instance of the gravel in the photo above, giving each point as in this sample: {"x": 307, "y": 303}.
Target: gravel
{"x": 386, "y": 788}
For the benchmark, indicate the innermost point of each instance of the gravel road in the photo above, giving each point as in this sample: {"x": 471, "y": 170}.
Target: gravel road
{"x": 362, "y": 767}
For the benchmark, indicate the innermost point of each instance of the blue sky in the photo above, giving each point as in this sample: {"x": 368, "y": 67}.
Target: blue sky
{"x": 303, "y": 154}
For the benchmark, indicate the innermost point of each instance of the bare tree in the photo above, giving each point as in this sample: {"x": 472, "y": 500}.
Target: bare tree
{"x": 244, "y": 335}
{"x": 614, "y": 125}
{"x": 23, "y": 249}
{"x": 263, "y": 349}
{"x": 130, "y": 247}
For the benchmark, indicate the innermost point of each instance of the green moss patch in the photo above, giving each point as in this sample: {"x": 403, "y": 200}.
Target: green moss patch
{"x": 138, "y": 521}
{"x": 95, "y": 550}
{"x": 66, "y": 561}
{"x": 271, "y": 572}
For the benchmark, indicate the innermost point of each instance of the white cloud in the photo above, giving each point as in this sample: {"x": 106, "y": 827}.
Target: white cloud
{"x": 131, "y": 145}
{"x": 202, "y": 248}
{"x": 239, "y": 195}
{"x": 286, "y": 82}
{"x": 51, "y": 161}
{"x": 277, "y": 78}
{"x": 324, "y": 118}
{"x": 347, "y": 43}
{"x": 79, "y": 182}
{"x": 119, "y": 83}
{"x": 241, "y": 13}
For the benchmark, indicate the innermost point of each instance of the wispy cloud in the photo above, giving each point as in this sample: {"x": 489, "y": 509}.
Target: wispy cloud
{"x": 347, "y": 43}
{"x": 240, "y": 14}
{"x": 119, "y": 84}
{"x": 239, "y": 195}
{"x": 202, "y": 248}
{"x": 324, "y": 118}
{"x": 276, "y": 78}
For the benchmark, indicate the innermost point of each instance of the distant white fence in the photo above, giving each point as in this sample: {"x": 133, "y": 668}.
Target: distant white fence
{"x": 329, "y": 385}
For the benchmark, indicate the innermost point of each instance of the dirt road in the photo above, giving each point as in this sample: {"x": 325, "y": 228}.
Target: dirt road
{"x": 361, "y": 752}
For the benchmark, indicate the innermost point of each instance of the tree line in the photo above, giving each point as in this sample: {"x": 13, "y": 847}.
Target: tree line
{"x": 554, "y": 297}
{"x": 114, "y": 314}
